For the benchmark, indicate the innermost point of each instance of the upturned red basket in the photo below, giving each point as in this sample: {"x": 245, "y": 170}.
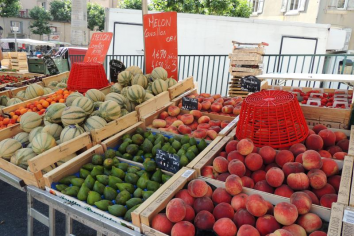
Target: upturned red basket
{"x": 273, "y": 118}
{"x": 87, "y": 75}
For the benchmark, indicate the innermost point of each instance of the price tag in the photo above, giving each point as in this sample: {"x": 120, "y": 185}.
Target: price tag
{"x": 348, "y": 217}
{"x": 167, "y": 161}
{"x": 98, "y": 47}
{"x": 250, "y": 83}
{"x": 116, "y": 67}
{"x": 189, "y": 103}
{"x": 51, "y": 66}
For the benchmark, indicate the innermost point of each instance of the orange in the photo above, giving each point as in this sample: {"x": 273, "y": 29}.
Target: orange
{"x": 59, "y": 91}
{"x": 6, "y": 121}
{"x": 18, "y": 119}
{"x": 35, "y": 108}
{"x": 15, "y": 117}
{"x": 39, "y": 106}
{"x": 61, "y": 100}
{"x": 23, "y": 111}
{"x": 49, "y": 100}
{"x": 12, "y": 114}
{"x": 66, "y": 95}
{"x": 45, "y": 104}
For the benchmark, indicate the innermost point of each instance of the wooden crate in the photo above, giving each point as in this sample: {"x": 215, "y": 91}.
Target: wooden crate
{"x": 46, "y": 81}
{"x": 14, "y": 91}
{"x": 153, "y": 104}
{"x": 6, "y": 93}
{"x": 21, "y": 104}
{"x": 340, "y": 219}
{"x": 181, "y": 87}
{"x": 345, "y": 183}
{"x": 258, "y": 50}
{"x": 351, "y": 202}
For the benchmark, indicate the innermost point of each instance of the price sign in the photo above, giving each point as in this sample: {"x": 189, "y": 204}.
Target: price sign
{"x": 116, "y": 67}
{"x": 167, "y": 161}
{"x": 51, "y": 66}
{"x": 99, "y": 45}
{"x": 161, "y": 42}
{"x": 189, "y": 103}
{"x": 250, "y": 83}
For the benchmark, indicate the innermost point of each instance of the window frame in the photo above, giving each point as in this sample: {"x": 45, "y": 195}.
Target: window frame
{"x": 346, "y": 3}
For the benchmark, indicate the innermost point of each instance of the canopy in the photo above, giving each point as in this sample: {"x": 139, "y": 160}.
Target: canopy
{"x": 59, "y": 42}
{"x": 27, "y": 41}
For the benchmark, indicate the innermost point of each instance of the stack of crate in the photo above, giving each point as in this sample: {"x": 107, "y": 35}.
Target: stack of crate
{"x": 6, "y": 61}
{"x": 245, "y": 59}
{"x": 18, "y": 61}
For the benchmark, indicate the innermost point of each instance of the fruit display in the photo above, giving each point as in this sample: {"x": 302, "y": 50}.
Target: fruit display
{"x": 9, "y": 79}
{"x": 224, "y": 210}
{"x": 20, "y": 82}
{"x": 111, "y": 185}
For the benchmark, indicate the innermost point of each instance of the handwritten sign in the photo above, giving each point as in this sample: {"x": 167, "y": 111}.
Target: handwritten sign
{"x": 51, "y": 66}
{"x": 167, "y": 161}
{"x": 161, "y": 42}
{"x": 189, "y": 103}
{"x": 250, "y": 83}
{"x": 116, "y": 67}
{"x": 99, "y": 45}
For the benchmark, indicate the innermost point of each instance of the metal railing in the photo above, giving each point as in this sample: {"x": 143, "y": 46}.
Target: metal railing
{"x": 212, "y": 71}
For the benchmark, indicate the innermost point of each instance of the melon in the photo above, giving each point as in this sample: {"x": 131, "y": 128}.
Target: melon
{"x": 136, "y": 93}
{"x": 29, "y": 145}
{"x": 72, "y": 97}
{"x": 109, "y": 111}
{"x": 47, "y": 91}
{"x": 171, "y": 82}
{"x": 148, "y": 96}
{"x": 95, "y": 95}
{"x": 124, "y": 78}
{"x": 3, "y": 100}
{"x": 116, "y": 88}
{"x": 34, "y": 90}
{"x": 85, "y": 103}
{"x": 8, "y": 147}
{"x": 21, "y": 95}
{"x": 43, "y": 142}
{"x": 124, "y": 112}
{"x": 130, "y": 106}
{"x": 95, "y": 113}
{"x": 94, "y": 122}
{"x": 54, "y": 112}
{"x": 73, "y": 115}
{"x": 21, "y": 157}
{"x": 97, "y": 105}
{"x": 34, "y": 132}
{"x": 45, "y": 122}
{"x": 13, "y": 101}
{"x": 29, "y": 121}
{"x": 53, "y": 84}
{"x": 149, "y": 88}
{"x": 61, "y": 85}
{"x": 159, "y": 73}
{"x": 47, "y": 169}
{"x": 23, "y": 138}
{"x": 118, "y": 98}
{"x": 140, "y": 79}
{"x": 64, "y": 80}
{"x": 53, "y": 129}
{"x": 149, "y": 77}
{"x": 159, "y": 86}
{"x": 124, "y": 91}
{"x": 135, "y": 70}
{"x": 70, "y": 132}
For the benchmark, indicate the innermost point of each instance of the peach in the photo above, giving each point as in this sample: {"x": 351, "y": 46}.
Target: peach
{"x": 225, "y": 227}
{"x": 324, "y": 153}
{"x": 297, "y": 148}
{"x": 263, "y": 186}
{"x": 196, "y": 113}
{"x": 217, "y": 96}
{"x": 193, "y": 126}
{"x": 222, "y": 177}
{"x": 247, "y": 230}
{"x": 209, "y": 193}
{"x": 302, "y": 201}
{"x": 236, "y": 110}
{"x": 310, "y": 131}
{"x": 183, "y": 228}
{"x": 339, "y": 155}
{"x": 285, "y": 213}
{"x": 258, "y": 176}
{"x": 335, "y": 182}
{"x": 283, "y": 191}
{"x": 224, "y": 123}
{"x": 212, "y": 134}
{"x": 281, "y": 232}
{"x": 327, "y": 189}
{"x": 270, "y": 210}
{"x": 219, "y": 100}
{"x": 176, "y": 210}
{"x": 203, "y": 126}
{"x": 317, "y": 178}
{"x": 204, "y": 119}
{"x": 200, "y": 106}
{"x": 328, "y": 137}
{"x": 227, "y": 109}
{"x": 221, "y": 195}
{"x": 344, "y": 144}
{"x": 234, "y": 155}
{"x": 177, "y": 123}
{"x": 189, "y": 213}
{"x": 205, "y": 95}
{"x": 210, "y": 99}
{"x": 283, "y": 157}
{"x": 200, "y": 133}
{"x": 314, "y": 142}
{"x": 253, "y": 161}
{"x": 295, "y": 229}
{"x": 158, "y": 123}
{"x": 298, "y": 181}
{"x": 161, "y": 223}
{"x": 187, "y": 119}
{"x": 192, "y": 96}
{"x": 216, "y": 123}
{"x": 268, "y": 154}
{"x": 223, "y": 154}
{"x": 206, "y": 105}
{"x": 204, "y": 220}
{"x": 239, "y": 201}
{"x": 256, "y": 205}
{"x": 243, "y": 217}
{"x": 197, "y": 188}
{"x": 231, "y": 145}
{"x": 310, "y": 222}
{"x": 220, "y": 164}
{"x": 267, "y": 224}
{"x": 185, "y": 196}
{"x": 223, "y": 210}
{"x": 329, "y": 167}
{"x": 216, "y": 107}
{"x": 275, "y": 177}
{"x": 292, "y": 167}
{"x": 312, "y": 196}
{"x": 327, "y": 199}
{"x": 269, "y": 166}
{"x": 318, "y": 128}
{"x": 183, "y": 129}
{"x": 245, "y": 147}
{"x": 163, "y": 115}
{"x": 217, "y": 129}
{"x": 247, "y": 182}
{"x": 171, "y": 119}
{"x": 248, "y": 173}
{"x": 339, "y": 136}
{"x": 233, "y": 185}
{"x": 203, "y": 204}
{"x": 173, "y": 110}
{"x": 311, "y": 160}
{"x": 172, "y": 129}
{"x": 334, "y": 149}
{"x": 207, "y": 171}
{"x": 236, "y": 167}
{"x": 299, "y": 158}
{"x": 318, "y": 233}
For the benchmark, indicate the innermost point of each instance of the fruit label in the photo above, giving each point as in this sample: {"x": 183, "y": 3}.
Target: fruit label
{"x": 348, "y": 217}
{"x": 250, "y": 83}
{"x": 187, "y": 173}
{"x": 116, "y": 67}
{"x": 167, "y": 161}
{"x": 51, "y": 66}
{"x": 189, "y": 103}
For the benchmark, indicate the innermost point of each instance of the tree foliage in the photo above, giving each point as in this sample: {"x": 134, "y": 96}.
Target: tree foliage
{"x": 132, "y": 4}
{"x": 96, "y": 16}
{"x": 41, "y": 18}
{"x": 61, "y": 10}
{"x": 9, "y": 8}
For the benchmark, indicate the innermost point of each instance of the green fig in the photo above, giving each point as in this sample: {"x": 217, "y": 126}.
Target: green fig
{"x": 157, "y": 176}
{"x": 190, "y": 155}
{"x": 176, "y": 145}
{"x": 104, "y": 179}
{"x": 97, "y": 160}
{"x": 192, "y": 141}
{"x": 138, "y": 193}
{"x": 83, "y": 173}
{"x": 97, "y": 171}
{"x": 137, "y": 139}
{"x": 110, "y": 193}
{"x": 150, "y": 165}
{"x": 66, "y": 180}
{"x": 117, "y": 172}
{"x": 77, "y": 182}
{"x": 138, "y": 159}
{"x": 126, "y": 186}
{"x": 123, "y": 166}
{"x": 123, "y": 197}
{"x": 61, "y": 187}
{"x": 88, "y": 166}
{"x": 131, "y": 178}
{"x": 93, "y": 197}
{"x": 89, "y": 182}
{"x": 108, "y": 163}
{"x": 103, "y": 204}
{"x": 117, "y": 210}
{"x": 202, "y": 145}
{"x": 110, "y": 153}
{"x": 99, "y": 187}
{"x": 83, "y": 193}
{"x": 165, "y": 178}
{"x": 133, "y": 169}
{"x": 146, "y": 195}
{"x": 147, "y": 146}
{"x": 71, "y": 191}
{"x": 133, "y": 202}
{"x": 185, "y": 139}
{"x": 128, "y": 213}
{"x": 152, "y": 185}
{"x": 113, "y": 181}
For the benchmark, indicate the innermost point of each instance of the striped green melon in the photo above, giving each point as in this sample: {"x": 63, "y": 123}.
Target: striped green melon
{"x": 149, "y": 88}
{"x": 34, "y": 90}
{"x": 171, "y": 82}
{"x": 124, "y": 78}
{"x": 21, "y": 94}
{"x": 47, "y": 91}
{"x": 53, "y": 84}
{"x": 124, "y": 112}
{"x": 148, "y": 96}
{"x": 95, "y": 113}
{"x": 85, "y": 103}
{"x": 54, "y": 112}
{"x": 70, "y": 132}
{"x": 116, "y": 88}
{"x": 73, "y": 115}
{"x": 97, "y": 105}
{"x": 3, "y": 100}
{"x": 149, "y": 77}
{"x": 34, "y": 132}
{"x": 95, "y": 95}
{"x": 23, "y": 138}
{"x": 46, "y": 122}
{"x": 124, "y": 91}
{"x": 130, "y": 106}
{"x": 61, "y": 85}
{"x": 94, "y": 122}
{"x": 72, "y": 97}
{"x": 159, "y": 86}
{"x": 159, "y": 73}
{"x": 135, "y": 70}
{"x": 136, "y": 93}
{"x": 140, "y": 79}
{"x": 29, "y": 145}
{"x": 118, "y": 98}
{"x": 13, "y": 101}
{"x": 29, "y": 121}
{"x": 53, "y": 129}
{"x": 8, "y": 147}
{"x": 64, "y": 80}
{"x": 43, "y": 142}
{"x": 21, "y": 157}
{"x": 109, "y": 111}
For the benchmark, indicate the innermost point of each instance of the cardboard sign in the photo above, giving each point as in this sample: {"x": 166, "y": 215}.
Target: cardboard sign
{"x": 189, "y": 103}
{"x": 116, "y": 67}
{"x": 250, "y": 83}
{"x": 167, "y": 161}
{"x": 161, "y": 42}
{"x": 99, "y": 45}
{"x": 51, "y": 66}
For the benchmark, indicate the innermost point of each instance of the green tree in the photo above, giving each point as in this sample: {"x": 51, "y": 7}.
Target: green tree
{"x": 132, "y": 4}
{"x": 61, "y": 10}
{"x": 41, "y": 18}
{"x": 96, "y": 16}
{"x": 9, "y": 8}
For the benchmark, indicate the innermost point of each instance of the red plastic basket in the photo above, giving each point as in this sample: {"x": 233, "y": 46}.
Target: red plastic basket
{"x": 87, "y": 75}
{"x": 273, "y": 118}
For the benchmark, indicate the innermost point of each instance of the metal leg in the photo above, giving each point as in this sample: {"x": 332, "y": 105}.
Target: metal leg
{"x": 69, "y": 225}
{"x": 52, "y": 221}
{"x": 29, "y": 217}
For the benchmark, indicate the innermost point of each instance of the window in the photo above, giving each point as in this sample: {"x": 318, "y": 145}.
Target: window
{"x": 18, "y": 24}
{"x": 257, "y": 6}
{"x": 341, "y": 5}
{"x": 293, "y": 6}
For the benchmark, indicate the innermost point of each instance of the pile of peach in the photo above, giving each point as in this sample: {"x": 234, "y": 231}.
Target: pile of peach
{"x": 194, "y": 124}
{"x": 283, "y": 172}
{"x": 228, "y": 212}
{"x": 215, "y": 104}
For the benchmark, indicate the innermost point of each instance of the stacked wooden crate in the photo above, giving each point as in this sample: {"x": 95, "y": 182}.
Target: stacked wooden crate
{"x": 6, "y": 61}
{"x": 245, "y": 60}
{"x": 18, "y": 61}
